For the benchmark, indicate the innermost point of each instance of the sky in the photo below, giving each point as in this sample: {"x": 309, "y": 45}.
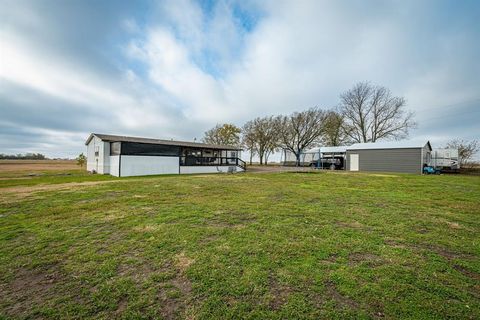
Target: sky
{"x": 174, "y": 69}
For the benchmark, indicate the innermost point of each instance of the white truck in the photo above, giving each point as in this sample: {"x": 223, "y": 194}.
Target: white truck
{"x": 445, "y": 159}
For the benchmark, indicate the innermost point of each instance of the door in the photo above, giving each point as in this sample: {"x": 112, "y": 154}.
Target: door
{"x": 354, "y": 162}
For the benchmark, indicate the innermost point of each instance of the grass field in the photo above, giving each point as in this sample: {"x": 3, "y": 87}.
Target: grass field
{"x": 264, "y": 246}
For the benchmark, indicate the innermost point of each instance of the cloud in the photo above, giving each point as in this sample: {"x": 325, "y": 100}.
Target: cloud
{"x": 173, "y": 69}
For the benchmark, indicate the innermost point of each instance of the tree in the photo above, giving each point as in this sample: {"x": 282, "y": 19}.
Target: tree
{"x": 263, "y": 136}
{"x": 27, "y": 156}
{"x": 248, "y": 139}
{"x": 226, "y": 134}
{"x": 372, "y": 113}
{"x": 466, "y": 149}
{"x": 335, "y": 132}
{"x": 81, "y": 160}
{"x": 301, "y": 130}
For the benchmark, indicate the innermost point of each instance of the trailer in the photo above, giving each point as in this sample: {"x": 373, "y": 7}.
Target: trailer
{"x": 445, "y": 160}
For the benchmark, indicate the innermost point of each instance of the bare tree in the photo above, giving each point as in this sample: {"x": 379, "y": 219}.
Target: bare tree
{"x": 372, "y": 113}
{"x": 335, "y": 132}
{"x": 262, "y": 134}
{"x": 226, "y": 134}
{"x": 301, "y": 130}
{"x": 248, "y": 139}
{"x": 466, "y": 149}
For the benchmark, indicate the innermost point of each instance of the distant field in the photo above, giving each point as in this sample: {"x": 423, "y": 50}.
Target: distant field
{"x": 32, "y": 166}
{"x": 275, "y": 245}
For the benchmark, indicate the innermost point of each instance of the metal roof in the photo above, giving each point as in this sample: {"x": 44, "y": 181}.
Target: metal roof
{"x": 405, "y": 144}
{"x": 115, "y": 138}
{"x": 339, "y": 149}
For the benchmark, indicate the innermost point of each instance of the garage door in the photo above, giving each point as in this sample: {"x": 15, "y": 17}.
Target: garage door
{"x": 354, "y": 162}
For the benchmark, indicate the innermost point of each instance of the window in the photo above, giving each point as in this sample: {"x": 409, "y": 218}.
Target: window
{"x": 115, "y": 148}
{"x": 97, "y": 151}
{"x": 147, "y": 149}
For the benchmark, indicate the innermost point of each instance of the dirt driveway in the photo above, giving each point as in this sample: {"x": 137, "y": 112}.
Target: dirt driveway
{"x": 270, "y": 169}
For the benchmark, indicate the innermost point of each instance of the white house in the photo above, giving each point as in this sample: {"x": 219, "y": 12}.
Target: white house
{"x": 123, "y": 156}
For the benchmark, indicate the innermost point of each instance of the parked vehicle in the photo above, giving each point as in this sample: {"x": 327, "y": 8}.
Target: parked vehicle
{"x": 430, "y": 170}
{"x": 328, "y": 163}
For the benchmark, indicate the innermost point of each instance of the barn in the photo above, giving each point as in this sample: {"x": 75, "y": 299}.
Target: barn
{"x": 124, "y": 156}
{"x": 395, "y": 156}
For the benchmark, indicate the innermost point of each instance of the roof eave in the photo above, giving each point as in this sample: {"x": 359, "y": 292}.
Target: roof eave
{"x": 90, "y": 137}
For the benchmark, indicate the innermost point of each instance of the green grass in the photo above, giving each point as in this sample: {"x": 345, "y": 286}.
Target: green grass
{"x": 263, "y": 246}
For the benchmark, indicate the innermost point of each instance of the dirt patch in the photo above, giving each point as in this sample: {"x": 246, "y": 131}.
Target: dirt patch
{"x": 230, "y": 219}
{"x": 175, "y": 294}
{"x": 394, "y": 244}
{"x": 331, "y": 258}
{"x": 272, "y": 169}
{"x": 182, "y": 262}
{"x": 137, "y": 272}
{"x": 341, "y": 300}
{"x": 208, "y": 239}
{"x": 122, "y": 306}
{"x": 138, "y": 269}
{"x": 146, "y": 228}
{"x": 467, "y": 272}
{"x": 368, "y": 258}
{"x": 448, "y": 254}
{"x": 29, "y": 288}
{"x": 350, "y": 224}
{"x": 453, "y": 225}
{"x": 279, "y": 292}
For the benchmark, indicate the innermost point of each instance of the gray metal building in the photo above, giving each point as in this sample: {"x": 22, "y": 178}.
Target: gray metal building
{"x": 396, "y": 156}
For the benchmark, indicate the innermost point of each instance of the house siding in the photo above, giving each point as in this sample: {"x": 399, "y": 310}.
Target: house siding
{"x": 407, "y": 160}
{"x": 99, "y": 163}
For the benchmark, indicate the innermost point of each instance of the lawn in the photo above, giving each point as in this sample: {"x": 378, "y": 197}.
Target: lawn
{"x": 263, "y": 246}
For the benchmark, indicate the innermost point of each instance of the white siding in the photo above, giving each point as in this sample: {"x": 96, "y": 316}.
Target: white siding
{"x": 101, "y": 162}
{"x": 148, "y": 165}
{"x": 206, "y": 169}
{"x": 114, "y": 165}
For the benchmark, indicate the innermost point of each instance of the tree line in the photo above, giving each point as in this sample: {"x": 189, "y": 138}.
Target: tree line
{"x": 366, "y": 113}
{"x": 26, "y": 156}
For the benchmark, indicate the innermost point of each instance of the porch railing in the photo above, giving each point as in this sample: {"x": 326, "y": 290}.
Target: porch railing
{"x": 212, "y": 161}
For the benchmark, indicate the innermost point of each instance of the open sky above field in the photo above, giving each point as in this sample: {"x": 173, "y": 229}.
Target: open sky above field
{"x": 173, "y": 69}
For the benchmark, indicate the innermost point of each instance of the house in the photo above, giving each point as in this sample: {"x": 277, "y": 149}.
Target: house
{"x": 124, "y": 156}
{"x": 395, "y": 156}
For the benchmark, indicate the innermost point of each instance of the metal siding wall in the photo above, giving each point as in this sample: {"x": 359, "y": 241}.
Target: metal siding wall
{"x": 106, "y": 158}
{"x": 91, "y": 155}
{"x": 92, "y": 159}
{"x": 114, "y": 163}
{"x": 148, "y": 165}
{"x": 389, "y": 160}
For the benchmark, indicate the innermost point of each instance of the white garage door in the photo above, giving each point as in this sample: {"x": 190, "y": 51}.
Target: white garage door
{"x": 354, "y": 162}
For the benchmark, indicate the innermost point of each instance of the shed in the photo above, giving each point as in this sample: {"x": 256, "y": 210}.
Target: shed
{"x": 393, "y": 156}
